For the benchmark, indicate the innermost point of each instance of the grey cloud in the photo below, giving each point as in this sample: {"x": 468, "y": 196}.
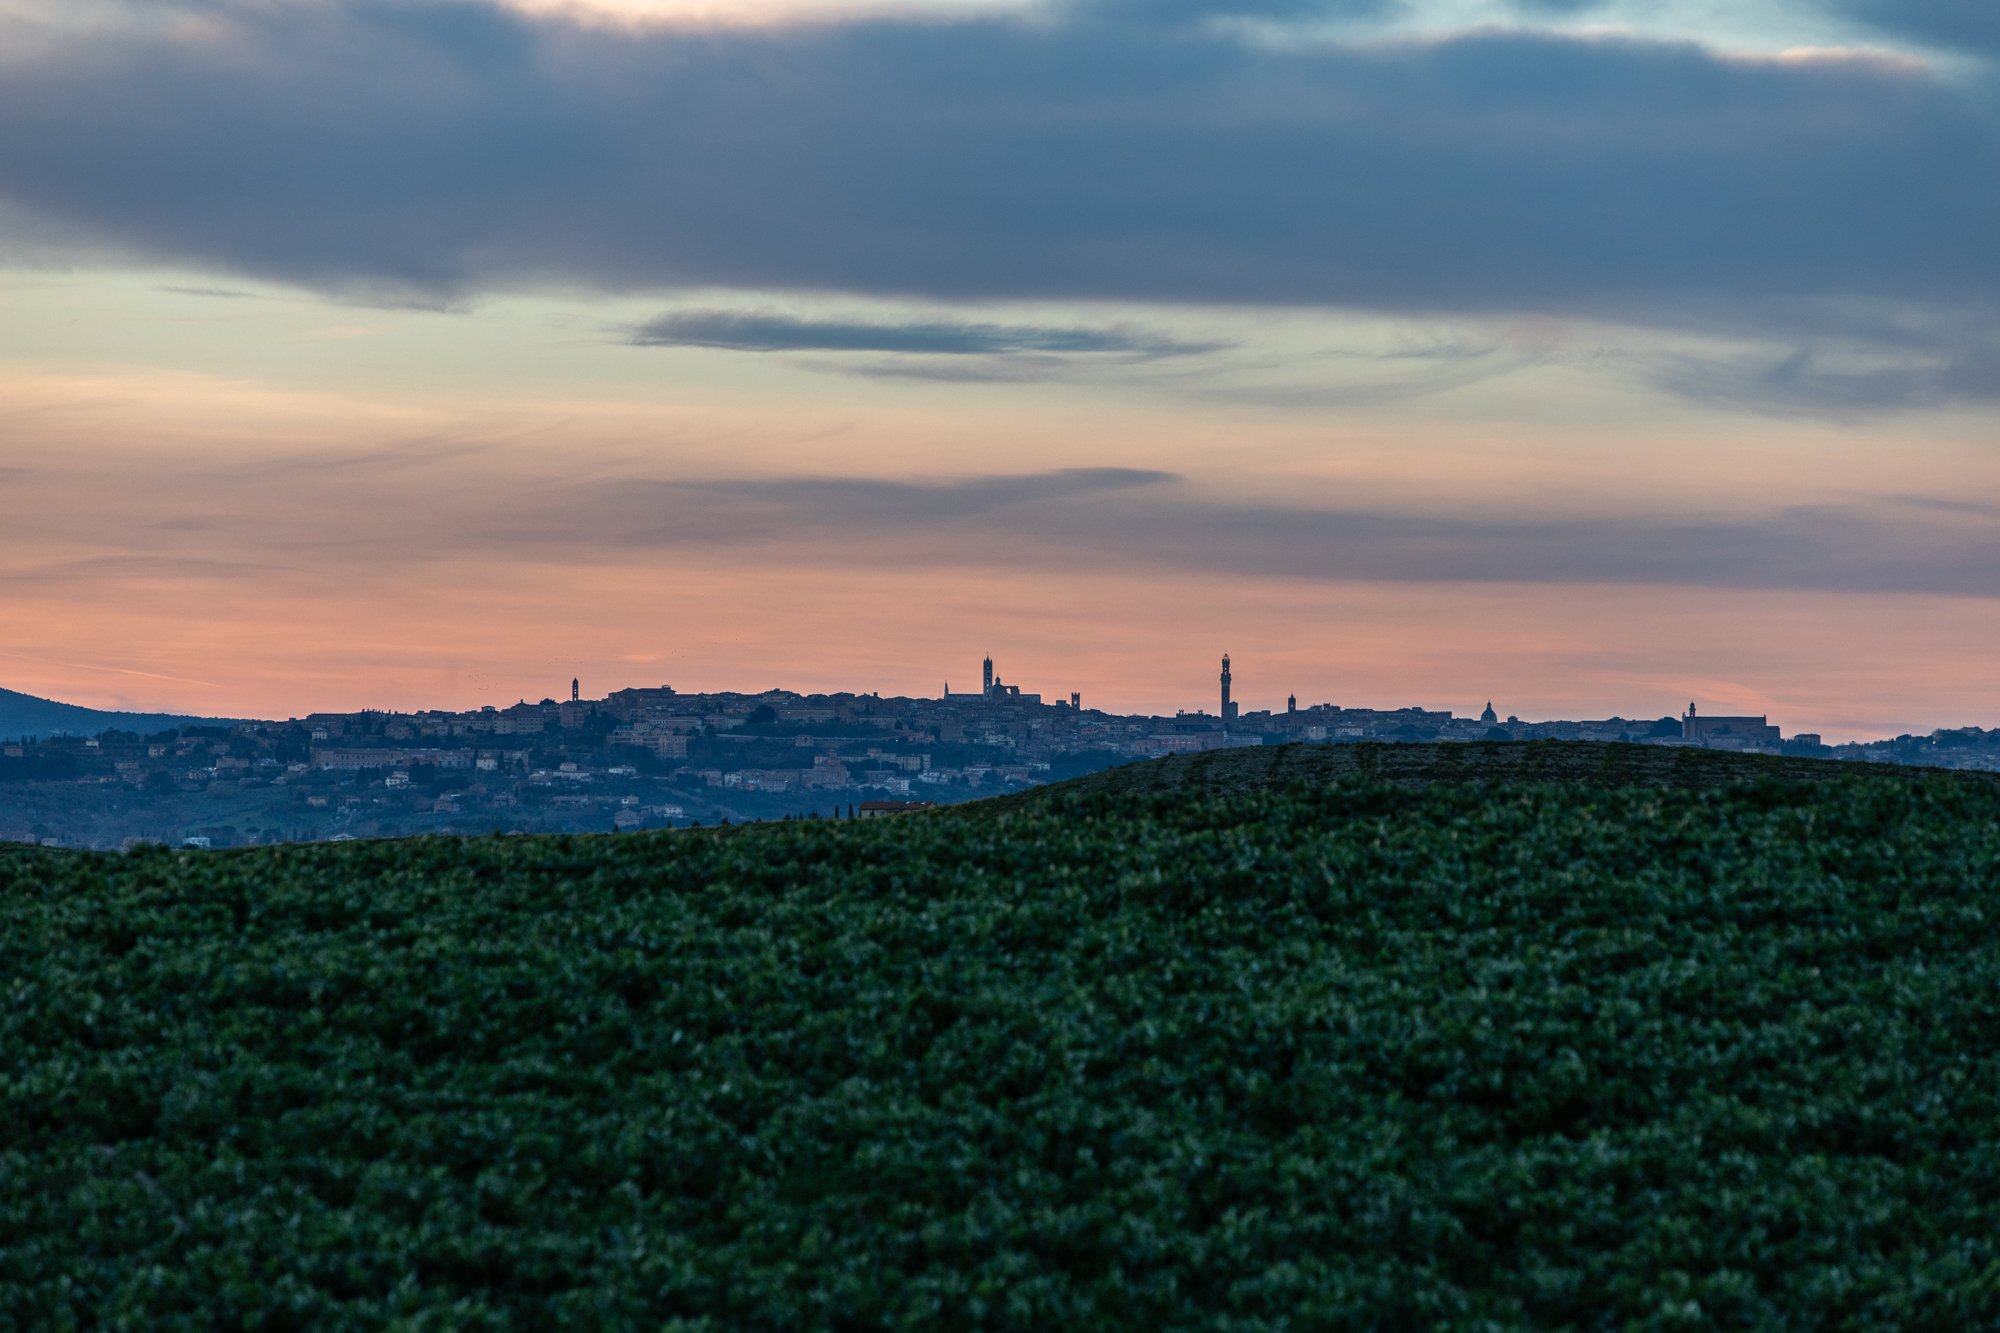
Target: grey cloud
{"x": 1436, "y": 350}
{"x": 1942, "y": 504}
{"x": 1410, "y": 371}
{"x": 1112, "y": 518}
{"x": 475, "y": 149}
{"x": 1808, "y": 380}
{"x": 315, "y": 467}
{"x": 863, "y": 504}
{"x": 1857, "y": 548}
{"x": 215, "y": 293}
{"x": 95, "y": 570}
{"x": 343, "y": 528}
{"x": 1970, "y": 25}
{"x": 359, "y": 298}
{"x": 763, "y": 332}
{"x": 1173, "y": 13}
{"x": 968, "y": 370}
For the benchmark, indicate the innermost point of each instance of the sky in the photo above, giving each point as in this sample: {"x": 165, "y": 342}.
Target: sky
{"x": 1590, "y": 358}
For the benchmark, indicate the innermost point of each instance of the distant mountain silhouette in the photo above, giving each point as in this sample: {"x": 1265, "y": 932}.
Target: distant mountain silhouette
{"x": 24, "y": 715}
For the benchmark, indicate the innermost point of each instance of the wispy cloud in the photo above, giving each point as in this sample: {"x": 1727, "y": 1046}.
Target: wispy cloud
{"x": 1178, "y": 13}
{"x": 1841, "y": 382}
{"x": 1116, "y": 518}
{"x": 1130, "y": 519}
{"x": 1558, "y": 7}
{"x": 868, "y": 500}
{"x": 396, "y": 519}
{"x": 1967, "y": 25}
{"x": 1946, "y": 505}
{"x": 110, "y": 670}
{"x": 769, "y": 332}
{"x": 213, "y": 293}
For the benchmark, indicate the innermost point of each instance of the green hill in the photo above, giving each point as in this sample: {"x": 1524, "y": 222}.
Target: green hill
{"x": 1584, "y": 763}
{"x": 25, "y": 716}
{"x": 1355, "y": 1055}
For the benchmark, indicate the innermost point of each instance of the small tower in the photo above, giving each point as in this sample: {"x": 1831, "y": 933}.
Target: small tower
{"x": 1228, "y": 708}
{"x": 988, "y": 690}
{"x": 1291, "y": 703}
{"x": 1076, "y": 701}
{"x": 575, "y": 690}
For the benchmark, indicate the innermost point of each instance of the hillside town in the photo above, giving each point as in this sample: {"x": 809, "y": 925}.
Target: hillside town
{"x": 653, "y": 758}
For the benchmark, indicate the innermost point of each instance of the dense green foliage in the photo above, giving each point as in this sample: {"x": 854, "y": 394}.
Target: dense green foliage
{"x": 1575, "y": 763}
{"x": 1359, "y": 1056}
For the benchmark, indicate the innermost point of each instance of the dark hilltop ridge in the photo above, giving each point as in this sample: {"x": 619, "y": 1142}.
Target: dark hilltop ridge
{"x": 653, "y": 758}
{"x": 27, "y": 717}
{"x": 1326, "y": 1038}
{"x": 1598, "y": 764}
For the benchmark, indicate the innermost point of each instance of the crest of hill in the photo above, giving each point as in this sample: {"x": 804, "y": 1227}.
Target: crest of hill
{"x": 1598, "y": 764}
{"x": 1426, "y": 1054}
{"x": 28, "y": 717}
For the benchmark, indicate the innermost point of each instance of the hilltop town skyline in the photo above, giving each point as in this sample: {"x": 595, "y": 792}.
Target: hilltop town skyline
{"x": 657, "y": 757}
{"x": 1223, "y": 694}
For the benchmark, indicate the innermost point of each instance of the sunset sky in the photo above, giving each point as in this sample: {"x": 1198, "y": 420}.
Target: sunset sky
{"x": 1590, "y": 358}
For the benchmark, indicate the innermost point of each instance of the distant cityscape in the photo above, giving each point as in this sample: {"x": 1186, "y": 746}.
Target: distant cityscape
{"x": 658, "y": 758}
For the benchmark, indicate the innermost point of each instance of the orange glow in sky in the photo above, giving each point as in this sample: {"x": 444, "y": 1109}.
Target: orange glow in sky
{"x": 1587, "y": 359}
{"x": 183, "y": 541}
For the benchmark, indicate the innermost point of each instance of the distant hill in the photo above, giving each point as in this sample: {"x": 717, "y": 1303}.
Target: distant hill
{"x": 1601, "y": 764}
{"x": 24, "y": 715}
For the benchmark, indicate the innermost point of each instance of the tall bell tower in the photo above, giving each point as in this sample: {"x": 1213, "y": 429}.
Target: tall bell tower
{"x": 1228, "y": 708}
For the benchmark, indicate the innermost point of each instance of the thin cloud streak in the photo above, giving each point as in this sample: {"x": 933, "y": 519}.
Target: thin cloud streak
{"x": 1801, "y": 383}
{"x": 389, "y": 516}
{"x": 768, "y": 332}
{"x": 1154, "y": 522}
{"x": 111, "y": 671}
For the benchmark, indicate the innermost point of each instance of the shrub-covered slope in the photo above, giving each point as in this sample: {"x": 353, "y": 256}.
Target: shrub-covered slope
{"x": 1357, "y": 1056}
{"x": 1585, "y": 763}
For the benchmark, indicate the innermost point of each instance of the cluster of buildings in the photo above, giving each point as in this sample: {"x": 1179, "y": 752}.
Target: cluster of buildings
{"x": 656, "y": 757}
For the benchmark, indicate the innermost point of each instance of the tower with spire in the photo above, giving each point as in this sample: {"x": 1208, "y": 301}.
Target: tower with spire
{"x": 1228, "y": 707}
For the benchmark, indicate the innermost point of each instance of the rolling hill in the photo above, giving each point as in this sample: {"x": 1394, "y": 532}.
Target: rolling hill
{"x": 24, "y": 716}
{"x": 1598, "y": 764}
{"x": 1498, "y": 1053}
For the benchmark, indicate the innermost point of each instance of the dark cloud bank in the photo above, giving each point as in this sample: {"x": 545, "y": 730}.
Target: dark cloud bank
{"x": 439, "y": 149}
{"x": 1961, "y": 25}
{"x": 420, "y": 504}
{"x": 1155, "y": 521}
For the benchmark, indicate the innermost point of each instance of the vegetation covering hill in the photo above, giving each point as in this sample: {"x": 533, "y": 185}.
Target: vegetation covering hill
{"x": 1585, "y": 763}
{"x": 1359, "y": 1055}
{"x": 26, "y": 717}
